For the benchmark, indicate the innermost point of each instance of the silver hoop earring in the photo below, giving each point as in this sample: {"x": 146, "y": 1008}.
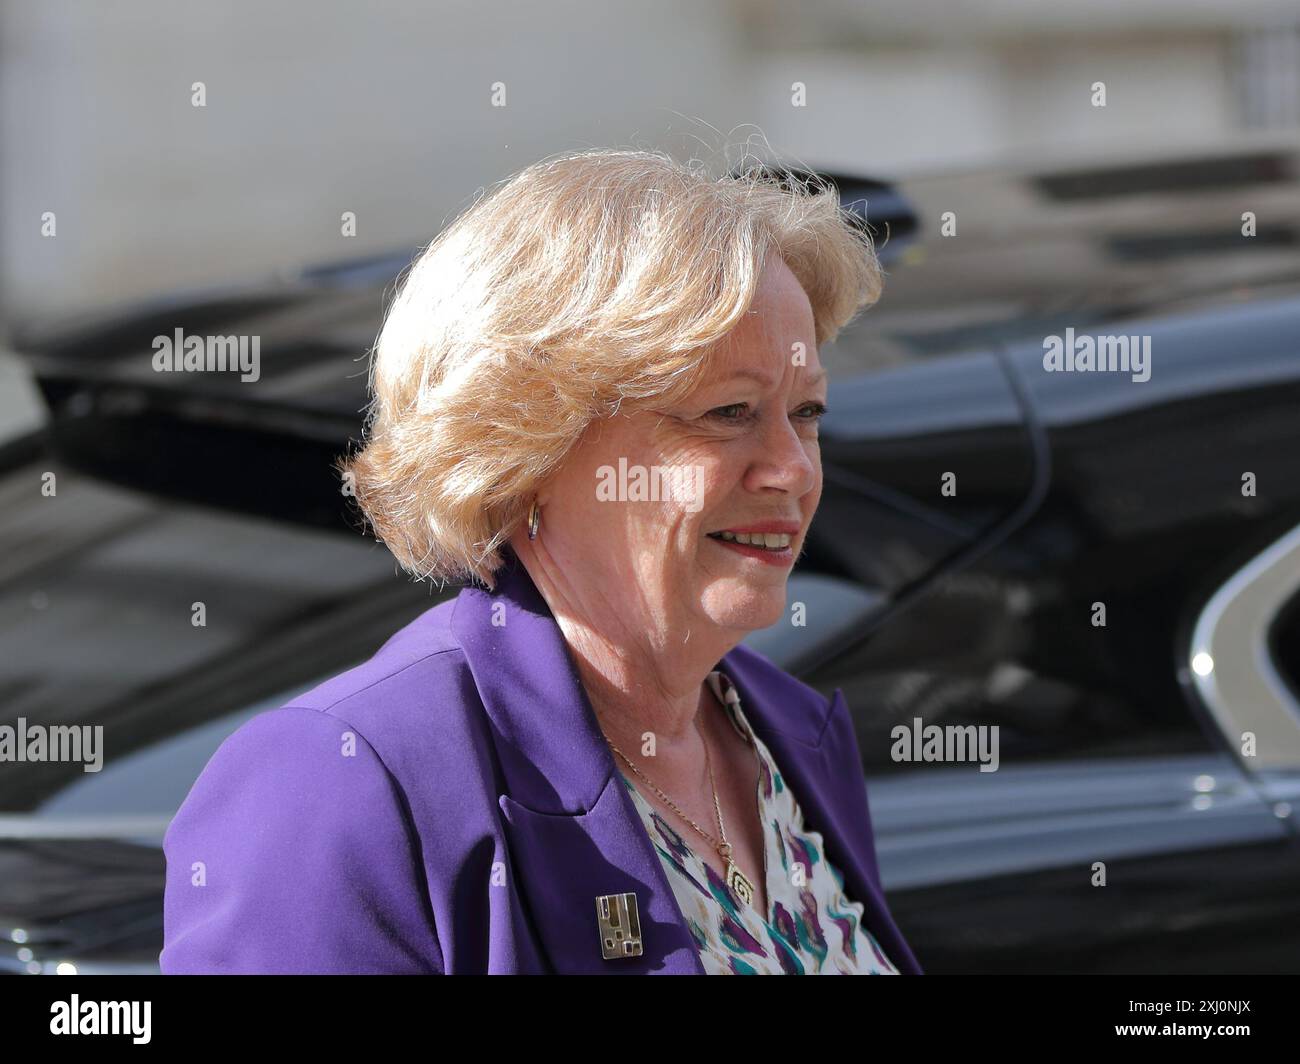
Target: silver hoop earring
{"x": 534, "y": 519}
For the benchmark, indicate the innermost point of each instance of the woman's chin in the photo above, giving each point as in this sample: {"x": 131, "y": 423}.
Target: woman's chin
{"x": 748, "y": 608}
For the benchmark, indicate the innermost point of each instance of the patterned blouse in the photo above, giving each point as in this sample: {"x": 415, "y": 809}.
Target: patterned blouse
{"x": 810, "y": 927}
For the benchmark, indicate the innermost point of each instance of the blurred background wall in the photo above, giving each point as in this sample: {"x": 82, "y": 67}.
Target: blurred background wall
{"x": 386, "y": 109}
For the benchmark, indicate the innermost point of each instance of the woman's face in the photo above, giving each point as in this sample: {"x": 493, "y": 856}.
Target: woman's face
{"x": 633, "y": 520}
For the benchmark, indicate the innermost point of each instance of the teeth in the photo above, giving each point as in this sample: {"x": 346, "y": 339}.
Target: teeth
{"x": 767, "y": 540}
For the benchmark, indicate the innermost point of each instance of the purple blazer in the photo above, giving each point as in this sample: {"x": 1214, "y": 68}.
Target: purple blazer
{"x": 450, "y": 806}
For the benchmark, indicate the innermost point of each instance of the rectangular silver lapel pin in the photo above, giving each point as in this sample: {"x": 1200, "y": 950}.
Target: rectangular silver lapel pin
{"x": 620, "y": 926}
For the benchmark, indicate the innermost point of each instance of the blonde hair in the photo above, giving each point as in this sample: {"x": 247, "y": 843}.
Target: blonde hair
{"x": 586, "y": 280}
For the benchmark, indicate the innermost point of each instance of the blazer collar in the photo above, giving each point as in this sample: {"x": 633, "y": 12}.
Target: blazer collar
{"x": 574, "y": 833}
{"x": 554, "y": 754}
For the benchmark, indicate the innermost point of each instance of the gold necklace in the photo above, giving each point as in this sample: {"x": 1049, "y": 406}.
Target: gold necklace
{"x": 736, "y": 879}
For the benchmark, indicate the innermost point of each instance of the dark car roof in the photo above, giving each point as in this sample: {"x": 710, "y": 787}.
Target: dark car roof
{"x": 1033, "y": 247}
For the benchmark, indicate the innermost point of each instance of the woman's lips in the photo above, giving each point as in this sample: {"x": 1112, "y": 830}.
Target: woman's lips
{"x": 789, "y": 528}
{"x": 783, "y": 556}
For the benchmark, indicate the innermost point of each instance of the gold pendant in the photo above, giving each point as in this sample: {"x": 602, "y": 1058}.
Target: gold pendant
{"x": 742, "y": 887}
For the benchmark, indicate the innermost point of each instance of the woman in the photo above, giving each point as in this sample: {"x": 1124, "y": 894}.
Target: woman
{"x": 595, "y": 401}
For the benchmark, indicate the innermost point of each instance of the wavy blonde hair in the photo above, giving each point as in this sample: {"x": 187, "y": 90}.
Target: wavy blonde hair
{"x": 585, "y": 281}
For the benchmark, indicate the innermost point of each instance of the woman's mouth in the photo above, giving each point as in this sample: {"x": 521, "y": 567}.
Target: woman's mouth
{"x": 770, "y": 547}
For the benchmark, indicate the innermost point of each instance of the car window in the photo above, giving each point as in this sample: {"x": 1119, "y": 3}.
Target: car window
{"x": 155, "y": 780}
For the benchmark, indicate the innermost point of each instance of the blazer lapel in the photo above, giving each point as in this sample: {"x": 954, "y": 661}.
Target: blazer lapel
{"x": 572, "y": 830}
{"x": 831, "y": 791}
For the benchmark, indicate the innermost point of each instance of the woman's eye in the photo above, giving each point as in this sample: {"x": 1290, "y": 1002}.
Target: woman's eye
{"x": 737, "y": 412}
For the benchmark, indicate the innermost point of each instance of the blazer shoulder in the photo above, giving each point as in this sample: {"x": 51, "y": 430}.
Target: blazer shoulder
{"x": 420, "y": 670}
{"x": 295, "y": 852}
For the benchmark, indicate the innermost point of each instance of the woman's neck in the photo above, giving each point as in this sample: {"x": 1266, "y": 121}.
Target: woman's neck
{"x": 642, "y": 684}
{"x": 635, "y": 692}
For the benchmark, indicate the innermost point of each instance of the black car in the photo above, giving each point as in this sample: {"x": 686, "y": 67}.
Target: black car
{"x": 1101, "y": 563}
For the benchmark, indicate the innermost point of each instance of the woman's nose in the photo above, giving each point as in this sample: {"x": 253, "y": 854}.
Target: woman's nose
{"x": 786, "y": 461}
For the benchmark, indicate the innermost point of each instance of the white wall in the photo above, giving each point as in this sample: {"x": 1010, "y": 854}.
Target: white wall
{"x": 312, "y": 109}
{"x": 382, "y": 108}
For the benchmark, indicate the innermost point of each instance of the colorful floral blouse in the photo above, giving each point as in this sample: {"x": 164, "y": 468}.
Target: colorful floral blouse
{"x": 811, "y": 928}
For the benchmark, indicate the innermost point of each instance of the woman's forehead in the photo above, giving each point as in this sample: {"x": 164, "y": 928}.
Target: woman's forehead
{"x": 768, "y": 365}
